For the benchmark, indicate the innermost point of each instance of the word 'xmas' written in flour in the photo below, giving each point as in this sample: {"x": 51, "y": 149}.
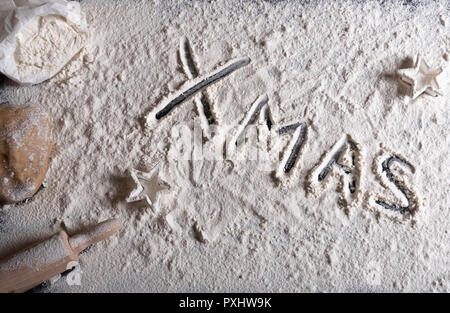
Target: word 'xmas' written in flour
{"x": 257, "y": 132}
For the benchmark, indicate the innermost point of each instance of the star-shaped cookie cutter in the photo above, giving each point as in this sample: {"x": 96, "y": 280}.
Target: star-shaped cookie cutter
{"x": 421, "y": 78}
{"x": 149, "y": 189}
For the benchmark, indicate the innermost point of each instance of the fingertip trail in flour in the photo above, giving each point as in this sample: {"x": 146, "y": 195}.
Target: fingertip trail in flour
{"x": 344, "y": 160}
{"x": 386, "y": 169}
{"x": 195, "y": 85}
{"x": 198, "y": 84}
{"x": 299, "y": 139}
{"x": 332, "y": 161}
{"x": 187, "y": 59}
{"x": 202, "y": 102}
{"x": 259, "y": 108}
{"x": 289, "y": 167}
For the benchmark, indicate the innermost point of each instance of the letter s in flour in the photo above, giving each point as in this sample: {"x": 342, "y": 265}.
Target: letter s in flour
{"x": 391, "y": 171}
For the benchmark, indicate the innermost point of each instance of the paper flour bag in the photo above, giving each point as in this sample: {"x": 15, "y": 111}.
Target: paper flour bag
{"x": 39, "y": 37}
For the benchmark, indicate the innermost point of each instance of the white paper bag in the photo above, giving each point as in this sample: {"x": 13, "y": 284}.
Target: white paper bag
{"x": 16, "y": 14}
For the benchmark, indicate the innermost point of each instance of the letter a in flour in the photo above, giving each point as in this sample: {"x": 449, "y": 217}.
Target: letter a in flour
{"x": 344, "y": 160}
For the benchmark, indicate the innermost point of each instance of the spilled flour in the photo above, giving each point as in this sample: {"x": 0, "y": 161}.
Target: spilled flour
{"x": 45, "y": 45}
{"x": 47, "y": 252}
{"x": 316, "y": 170}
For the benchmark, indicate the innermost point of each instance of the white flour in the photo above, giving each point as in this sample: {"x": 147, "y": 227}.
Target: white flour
{"x": 45, "y": 45}
{"x": 45, "y": 253}
{"x": 228, "y": 225}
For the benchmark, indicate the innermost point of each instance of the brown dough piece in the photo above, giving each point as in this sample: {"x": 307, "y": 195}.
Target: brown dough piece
{"x": 25, "y": 146}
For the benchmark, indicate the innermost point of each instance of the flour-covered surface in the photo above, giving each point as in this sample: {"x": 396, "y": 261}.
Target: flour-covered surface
{"x": 39, "y": 40}
{"x": 39, "y": 37}
{"x": 364, "y": 205}
{"x": 47, "y": 252}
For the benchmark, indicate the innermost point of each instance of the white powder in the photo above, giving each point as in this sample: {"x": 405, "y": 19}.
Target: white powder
{"x": 93, "y": 234}
{"x": 47, "y": 252}
{"x": 227, "y": 225}
{"x": 45, "y": 45}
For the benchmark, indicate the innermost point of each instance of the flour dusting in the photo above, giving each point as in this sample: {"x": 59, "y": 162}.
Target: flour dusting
{"x": 45, "y": 45}
{"x": 47, "y": 252}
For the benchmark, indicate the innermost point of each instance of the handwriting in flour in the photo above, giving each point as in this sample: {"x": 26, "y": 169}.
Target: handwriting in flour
{"x": 194, "y": 86}
{"x": 387, "y": 171}
{"x": 202, "y": 103}
{"x": 259, "y": 108}
{"x": 343, "y": 160}
{"x": 405, "y": 198}
{"x": 259, "y": 114}
{"x": 292, "y": 155}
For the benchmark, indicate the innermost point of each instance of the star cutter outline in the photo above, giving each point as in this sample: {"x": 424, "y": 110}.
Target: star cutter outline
{"x": 421, "y": 78}
{"x": 139, "y": 193}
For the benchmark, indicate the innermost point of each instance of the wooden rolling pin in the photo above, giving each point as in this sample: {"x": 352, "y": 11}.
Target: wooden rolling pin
{"x": 34, "y": 265}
